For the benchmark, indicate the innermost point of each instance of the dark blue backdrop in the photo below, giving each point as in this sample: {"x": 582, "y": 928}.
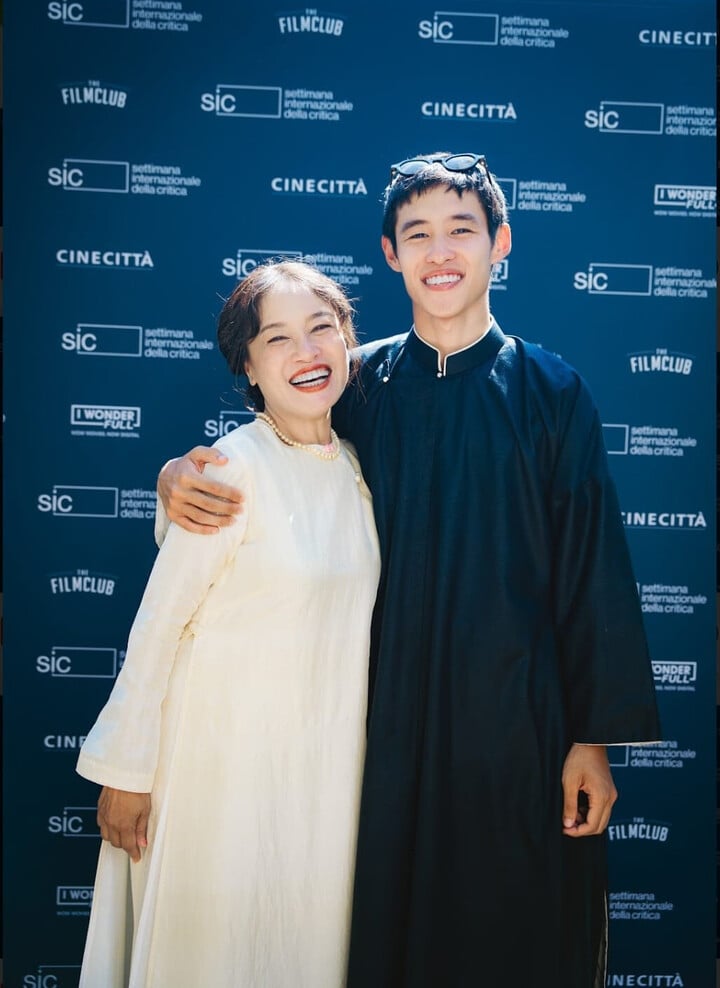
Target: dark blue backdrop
{"x": 156, "y": 150}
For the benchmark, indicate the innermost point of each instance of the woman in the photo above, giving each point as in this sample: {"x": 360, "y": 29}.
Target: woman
{"x": 238, "y": 719}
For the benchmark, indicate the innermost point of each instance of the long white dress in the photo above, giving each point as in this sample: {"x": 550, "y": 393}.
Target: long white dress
{"x": 241, "y": 706}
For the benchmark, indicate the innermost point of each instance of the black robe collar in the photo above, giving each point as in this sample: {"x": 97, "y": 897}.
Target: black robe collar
{"x": 461, "y": 360}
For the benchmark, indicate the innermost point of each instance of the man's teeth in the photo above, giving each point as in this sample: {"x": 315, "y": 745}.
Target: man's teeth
{"x": 311, "y": 376}
{"x": 442, "y": 279}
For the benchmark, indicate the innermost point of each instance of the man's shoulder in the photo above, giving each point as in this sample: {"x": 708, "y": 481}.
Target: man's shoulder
{"x": 372, "y": 355}
{"x": 541, "y": 365}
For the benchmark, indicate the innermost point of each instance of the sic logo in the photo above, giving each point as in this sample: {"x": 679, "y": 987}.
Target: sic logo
{"x": 65, "y": 10}
{"x": 602, "y": 119}
{"x": 592, "y": 281}
{"x": 218, "y": 102}
{"x": 66, "y": 177}
{"x": 79, "y": 342}
{"x": 435, "y": 30}
{"x": 59, "y": 504}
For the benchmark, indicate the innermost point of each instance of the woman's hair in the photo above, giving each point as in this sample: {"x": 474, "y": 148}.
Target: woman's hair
{"x": 239, "y": 321}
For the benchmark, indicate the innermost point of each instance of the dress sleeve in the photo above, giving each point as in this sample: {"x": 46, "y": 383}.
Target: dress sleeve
{"x": 121, "y": 749}
{"x": 606, "y": 671}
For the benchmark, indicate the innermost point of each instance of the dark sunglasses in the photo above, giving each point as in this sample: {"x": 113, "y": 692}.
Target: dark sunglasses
{"x": 452, "y": 162}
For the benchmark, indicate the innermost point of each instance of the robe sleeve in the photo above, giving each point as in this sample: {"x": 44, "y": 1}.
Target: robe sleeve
{"x": 162, "y": 522}
{"x": 122, "y": 747}
{"x": 606, "y": 671}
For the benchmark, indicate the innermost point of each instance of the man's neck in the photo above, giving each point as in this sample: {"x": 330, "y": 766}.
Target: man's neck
{"x": 450, "y": 335}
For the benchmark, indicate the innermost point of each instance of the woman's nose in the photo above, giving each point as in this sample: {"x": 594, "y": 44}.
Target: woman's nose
{"x": 307, "y": 347}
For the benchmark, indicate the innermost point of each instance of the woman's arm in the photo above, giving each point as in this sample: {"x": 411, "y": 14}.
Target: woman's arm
{"x": 121, "y": 749}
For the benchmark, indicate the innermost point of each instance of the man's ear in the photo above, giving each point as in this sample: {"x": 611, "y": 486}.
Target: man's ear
{"x": 503, "y": 243}
{"x": 389, "y": 252}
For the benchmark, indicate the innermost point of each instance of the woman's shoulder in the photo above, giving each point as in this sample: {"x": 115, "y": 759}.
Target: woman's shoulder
{"x": 244, "y": 447}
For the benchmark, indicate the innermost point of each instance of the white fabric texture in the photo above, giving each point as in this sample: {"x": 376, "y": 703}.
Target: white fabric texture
{"x": 241, "y": 706}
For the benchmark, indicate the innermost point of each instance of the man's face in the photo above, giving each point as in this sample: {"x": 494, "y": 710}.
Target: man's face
{"x": 444, "y": 253}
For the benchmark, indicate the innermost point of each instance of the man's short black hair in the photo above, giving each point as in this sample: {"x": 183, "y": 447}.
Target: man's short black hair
{"x": 404, "y": 188}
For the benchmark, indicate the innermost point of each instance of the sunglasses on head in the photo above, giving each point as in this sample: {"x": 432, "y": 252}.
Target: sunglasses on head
{"x": 451, "y": 162}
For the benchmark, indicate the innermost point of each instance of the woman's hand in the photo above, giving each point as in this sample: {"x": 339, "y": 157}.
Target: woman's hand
{"x": 122, "y": 818}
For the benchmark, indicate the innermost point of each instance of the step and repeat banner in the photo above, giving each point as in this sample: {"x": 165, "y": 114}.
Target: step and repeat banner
{"x": 157, "y": 150}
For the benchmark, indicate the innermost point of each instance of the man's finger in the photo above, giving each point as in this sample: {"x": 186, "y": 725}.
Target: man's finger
{"x": 200, "y": 455}
{"x": 209, "y": 501}
{"x": 571, "y": 816}
{"x": 196, "y": 527}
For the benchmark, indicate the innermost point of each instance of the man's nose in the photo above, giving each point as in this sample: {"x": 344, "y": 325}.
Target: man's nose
{"x": 439, "y": 249}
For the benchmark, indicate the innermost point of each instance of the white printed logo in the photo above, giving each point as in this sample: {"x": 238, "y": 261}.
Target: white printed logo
{"x": 310, "y": 22}
{"x": 661, "y": 361}
{"x": 124, "y": 177}
{"x": 623, "y": 117}
{"x": 645, "y": 440}
{"x": 686, "y": 196}
{"x": 80, "y": 662}
{"x": 91, "y": 175}
{"x": 93, "y": 93}
{"x": 674, "y": 675}
{"x": 109, "y": 418}
{"x": 73, "y": 500}
{"x": 243, "y": 101}
{"x": 104, "y": 340}
{"x": 693, "y": 39}
{"x": 74, "y": 896}
{"x": 349, "y": 187}
{"x": 499, "y": 275}
{"x": 53, "y": 976}
{"x": 247, "y": 259}
{"x": 75, "y": 821}
{"x": 63, "y": 742}
{"x": 91, "y": 13}
{"x": 639, "y": 829}
{"x": 126, "y": 259}
{"x": 227, "y": 421}
{"x": 615, "y": 279}
{"x": 453, "y": 28}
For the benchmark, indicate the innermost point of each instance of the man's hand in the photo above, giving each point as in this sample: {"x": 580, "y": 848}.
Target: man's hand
{"x": 587, "y": 771}
{"x": 122, "y": 818}
{"x": 191, "y": 501}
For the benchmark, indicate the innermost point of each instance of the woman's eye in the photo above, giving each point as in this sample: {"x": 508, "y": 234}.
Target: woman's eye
{"x": 277, "y": 339}
{"x": 321, "y": 327}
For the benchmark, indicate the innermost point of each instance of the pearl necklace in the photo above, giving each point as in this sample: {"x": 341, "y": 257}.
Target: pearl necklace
{"x": 326, "y": 451}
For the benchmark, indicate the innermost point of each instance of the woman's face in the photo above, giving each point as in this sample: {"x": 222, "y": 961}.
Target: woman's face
{"x": 299, "y": 359}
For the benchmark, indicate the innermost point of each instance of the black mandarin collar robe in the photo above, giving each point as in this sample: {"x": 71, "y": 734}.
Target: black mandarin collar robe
{"x": 507, "y": 627}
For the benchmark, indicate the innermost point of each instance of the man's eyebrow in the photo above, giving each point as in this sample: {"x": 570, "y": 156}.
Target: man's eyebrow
{"x": 466, "y": 217}
{"x": 409, "y": 224}
{"x": 462, "y": 217}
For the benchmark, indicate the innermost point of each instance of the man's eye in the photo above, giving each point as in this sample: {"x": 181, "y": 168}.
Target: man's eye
{"x": 462, "y": 229}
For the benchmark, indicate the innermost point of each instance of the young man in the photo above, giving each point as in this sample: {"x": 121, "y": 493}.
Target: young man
{"x": 507, "y": 645}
